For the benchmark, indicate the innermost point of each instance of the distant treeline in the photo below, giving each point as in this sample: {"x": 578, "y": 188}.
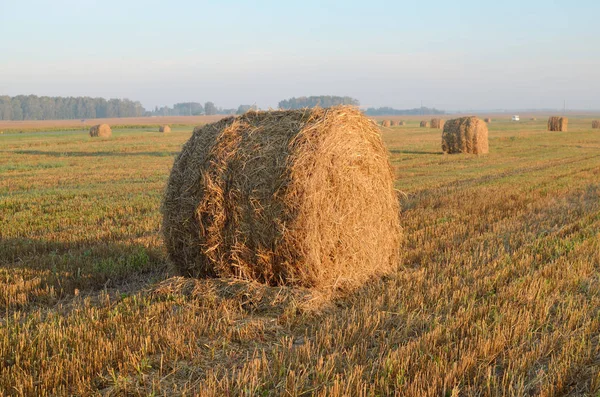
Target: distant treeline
{"x": 402, "y": 112}
{"x": 32, "y": 107}
{"x": 323, "y": 101}
{"x": 197, "y": 109}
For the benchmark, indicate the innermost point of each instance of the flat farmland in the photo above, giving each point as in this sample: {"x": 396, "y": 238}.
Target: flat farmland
{"x": 497, "y": 292}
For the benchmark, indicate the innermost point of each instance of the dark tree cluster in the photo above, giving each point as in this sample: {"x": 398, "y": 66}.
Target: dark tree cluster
{"x": 32, "y": 107}
{"x": 386, "y": 111}
{"x": 179, "y": 109}
{"x": 323, "y": 101}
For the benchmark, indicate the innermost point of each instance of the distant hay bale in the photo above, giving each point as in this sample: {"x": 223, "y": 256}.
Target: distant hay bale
{"x": 437, "y": 123}
{"x": 533, "y": 119}
{"x": 558, "y": 123}
{"x": 394, "y": 123}
{"x": 164, "y": 128}
{"x": 596, "y": 124}
{"x": 465, "y": 135}
{"x": 424, "y": 123}
{"x": 487, "y": 120}
{"x": 402, "y": 122}
{"x": 246, "y": 199}
{"x": 386, "y": 123}
{"x": 102, "y": 130}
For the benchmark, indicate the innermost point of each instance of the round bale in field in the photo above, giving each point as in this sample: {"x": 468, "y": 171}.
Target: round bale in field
{"x": 296, "y": 197}
{"x": 393, "y": 123}
{"x": 437, "y": 123}
{"x": 164, "y": 128}
{"x": 402, "y": 123}
{"x": 102, "y": 130}
{"x": 386, "y": 123}
{"x": 595, "y": 124}
{"x": 465, "y": 135}
{"x": 487, "y": 120}
{"x": 558, "y": 123}
{"x": 424, "y": 123}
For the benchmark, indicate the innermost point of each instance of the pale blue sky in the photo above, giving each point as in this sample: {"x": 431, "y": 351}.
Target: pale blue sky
{"x": 452, "y": 55}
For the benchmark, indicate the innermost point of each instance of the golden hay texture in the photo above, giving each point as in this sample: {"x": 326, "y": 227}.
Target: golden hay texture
{"x": 437, "y": 123}
{"x": 596, "y": 124}
{"x": 465, "y": 135}
{"x": 424, "y": 123}
{"x": 386, "y": 123}
{"x": 299, "y": 197}
{"x": 164, "y": 128}
{"x": 102, "y": 130}
{"x": 487, "y": 120}
{"x": 558, "y": 123}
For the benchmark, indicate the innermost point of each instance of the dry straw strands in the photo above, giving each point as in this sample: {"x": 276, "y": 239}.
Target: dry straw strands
{"x": 299, "y": 197}
{"x": 437, "y": 123}
{"x": 596, "y": 124}
{"x": 465, "y": 135}
{"x": 164, "y": 128}
{"x": 386, "y": 123}
{"x": 487, "y": 120}
{"x": 102, "y": 130}
{"x": 558, "y": 123}
{"x": 424, "y": 123}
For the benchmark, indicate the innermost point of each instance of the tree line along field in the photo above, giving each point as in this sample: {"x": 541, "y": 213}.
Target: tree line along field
{"x": 497, "y": 293}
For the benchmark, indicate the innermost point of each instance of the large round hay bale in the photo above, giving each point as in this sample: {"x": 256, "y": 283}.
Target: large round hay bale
{"x": 424, "y": 123}
{"x": 164, "y": 128}
{"x": 556, "y": 123}
{"x": 297, "y": 197}
{"x": 386, "y": 123}
{"x": 437, "y": 123}
{"x": 394, "y": 123}
{"x": 487, "y": 120}
{"x": 465, "y": 135}
{"x": 102, "y": 130}
{"x": 596, "y": 124}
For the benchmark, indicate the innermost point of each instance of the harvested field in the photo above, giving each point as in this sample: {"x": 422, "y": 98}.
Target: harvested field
{"x": 496, "y": 294}
{"x": 424, "y": 123}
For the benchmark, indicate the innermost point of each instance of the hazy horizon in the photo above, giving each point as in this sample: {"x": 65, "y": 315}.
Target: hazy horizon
{"x": 469, "y": 56}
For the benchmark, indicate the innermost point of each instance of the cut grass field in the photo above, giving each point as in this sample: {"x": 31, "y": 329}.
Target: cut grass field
{"x": 497, "y": 293}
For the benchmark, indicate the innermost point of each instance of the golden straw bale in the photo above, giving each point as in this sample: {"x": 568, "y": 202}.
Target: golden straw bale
{"x": 296, "y": 197}
{"x": 465, "y": 135}
{"x": 437, "y": 123}
{"x": 558, "y": 123}
{"x": 101, "y": 130}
